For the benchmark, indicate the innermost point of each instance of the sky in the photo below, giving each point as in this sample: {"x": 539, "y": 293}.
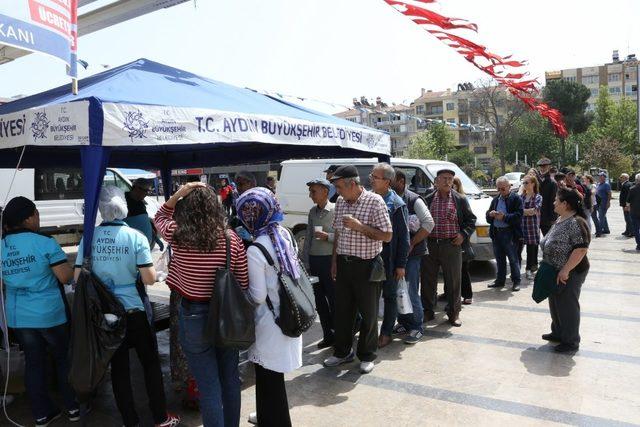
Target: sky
{"x": 334, "y": 50}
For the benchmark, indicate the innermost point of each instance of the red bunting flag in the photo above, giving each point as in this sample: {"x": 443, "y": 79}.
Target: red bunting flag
{"x": 496, "y": 66}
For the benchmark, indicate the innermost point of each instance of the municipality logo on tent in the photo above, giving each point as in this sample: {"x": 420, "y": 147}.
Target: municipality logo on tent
{"x": 135, "y": 124}
{"x": 40, "y": 126}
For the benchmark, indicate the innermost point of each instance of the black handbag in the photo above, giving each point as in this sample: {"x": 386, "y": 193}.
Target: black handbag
{"x": 377, "y": 270}
{"x": 297, "y": 303}
{"x": 231, "y": 320}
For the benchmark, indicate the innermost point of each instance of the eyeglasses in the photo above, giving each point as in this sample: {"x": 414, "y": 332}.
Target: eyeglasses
{"x": 372, "y": 176}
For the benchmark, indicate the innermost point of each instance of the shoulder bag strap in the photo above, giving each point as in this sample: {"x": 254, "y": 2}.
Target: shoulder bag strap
{"x": 228, "y": 249}
{"x": 267, "y": 256}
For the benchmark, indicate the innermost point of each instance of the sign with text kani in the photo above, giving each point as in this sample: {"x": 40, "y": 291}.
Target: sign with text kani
{"x": 46, "y": 26}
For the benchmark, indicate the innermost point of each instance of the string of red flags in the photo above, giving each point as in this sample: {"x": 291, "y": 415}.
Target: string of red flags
{"x": 503, "y": 69}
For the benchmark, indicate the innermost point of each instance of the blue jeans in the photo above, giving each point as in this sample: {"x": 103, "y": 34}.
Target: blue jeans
{"x": 504, "y": 247}
{"x": 34, "y": 343}
{"x": 635, "y": 222}
{"x": 413, "y": 321}
{"x": 214, "y": 369}
{"x": 603, "y": 224}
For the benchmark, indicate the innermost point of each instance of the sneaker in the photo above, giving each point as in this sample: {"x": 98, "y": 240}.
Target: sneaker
{"x": 515, "y": 287}
{"x": 366, "y": 367}
{"x": 399, "y": 330}
{"x": 74, "y": 415}
{"x": 529, "y": 275}
{"x": 334, "y": 361}
{"x": 45, "y": 421}
{"x": 253, "y": 418}
{"x": 413, "y": 337}
{"x": 171, "y": 421}
{"x": 467, "y": 301}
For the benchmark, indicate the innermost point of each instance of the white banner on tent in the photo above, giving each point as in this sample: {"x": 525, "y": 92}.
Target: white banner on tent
{"x": 127, "y": 124}
{"x": 63, "y": 124}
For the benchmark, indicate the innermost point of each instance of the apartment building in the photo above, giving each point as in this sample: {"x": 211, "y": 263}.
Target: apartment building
{"x": 396, "y": 119}
{"x": 456, "y": 109}
{"x": 620, "y": 77}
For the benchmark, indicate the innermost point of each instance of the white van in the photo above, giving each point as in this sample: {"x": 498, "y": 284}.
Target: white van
{"x": 293, "y": 193}
{"x": 58, "y": 194}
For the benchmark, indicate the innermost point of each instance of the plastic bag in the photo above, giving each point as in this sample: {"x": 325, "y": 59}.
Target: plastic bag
{"x": 98, "y": 327}
{"x": 162, "y": 265}
{"x": 402, "y": 298}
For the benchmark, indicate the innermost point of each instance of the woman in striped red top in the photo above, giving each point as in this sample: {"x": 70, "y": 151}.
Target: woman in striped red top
{"x": 193, "y": 223}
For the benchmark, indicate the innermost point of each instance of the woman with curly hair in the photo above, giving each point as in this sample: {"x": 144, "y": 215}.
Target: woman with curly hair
{"x": 193, "y": 222}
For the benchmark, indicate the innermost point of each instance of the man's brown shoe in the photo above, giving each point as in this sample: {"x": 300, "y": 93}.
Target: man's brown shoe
{"x": 455, "y": 321}
{"x": 383, "y": 341}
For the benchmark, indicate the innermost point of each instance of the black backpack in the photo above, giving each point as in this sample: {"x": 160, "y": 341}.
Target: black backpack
{"x": 297, "y": 303}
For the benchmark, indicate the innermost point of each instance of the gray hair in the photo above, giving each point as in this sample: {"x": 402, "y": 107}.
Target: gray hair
{"x": 624, "y": 175}
{"x": 387, "y": 170}
{"x": 638, "y": 178}
{"x": 112, "y": 204}
{"x": 355, "y": 179}
{"x": 502, "y": 179}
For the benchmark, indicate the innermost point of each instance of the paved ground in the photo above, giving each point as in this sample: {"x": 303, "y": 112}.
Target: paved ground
{"x": 493, "y": 370}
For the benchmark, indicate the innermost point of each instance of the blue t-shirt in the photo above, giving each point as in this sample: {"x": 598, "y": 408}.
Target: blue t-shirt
{"x": 603, "y": 192}
{"x": 117, "y": 252}
{"x": 33, "y": 297}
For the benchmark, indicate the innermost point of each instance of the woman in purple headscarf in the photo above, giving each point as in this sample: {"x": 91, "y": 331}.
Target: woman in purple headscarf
{"x": 273, "y": 353}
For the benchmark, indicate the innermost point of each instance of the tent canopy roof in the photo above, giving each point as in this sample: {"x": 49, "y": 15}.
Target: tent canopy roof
{"x": 151, "y": 83}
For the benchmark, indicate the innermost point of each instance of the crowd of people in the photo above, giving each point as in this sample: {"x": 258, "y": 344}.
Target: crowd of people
{"x": 361, "y": 245}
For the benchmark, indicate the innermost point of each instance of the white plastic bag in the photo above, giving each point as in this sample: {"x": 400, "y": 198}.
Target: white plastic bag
{"x": 403, "y": 300}
{"x": 162, "y": 265}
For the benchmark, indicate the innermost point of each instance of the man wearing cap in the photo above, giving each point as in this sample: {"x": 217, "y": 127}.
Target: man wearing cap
{"x": 603, "y": 195}
{"x": 625, "y": 186}
{"x": 333, "y": 195}
{"x": 548, "y": 189}
{"x": 317, "y": 254}
{"x": 505, "y": 219}
{"x": 361, "y": 224}
{"x": 454, "y": 224}
{"x": 137, "y": 216}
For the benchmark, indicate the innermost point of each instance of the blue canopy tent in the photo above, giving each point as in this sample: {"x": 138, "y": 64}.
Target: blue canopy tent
{"x": 149, "y": 115}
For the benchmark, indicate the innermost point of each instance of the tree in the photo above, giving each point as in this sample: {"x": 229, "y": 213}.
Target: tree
{"x": 496, "y": 107}
{"x": 603, "y": 107}
{"x": 605, "y": 153}
{"x": 622, "y": 125}
{"x": 461, "y": 157}
{"x": 434, "y": 143}
{"x": 570, "y": 98}
{"x": 532, "y": 136}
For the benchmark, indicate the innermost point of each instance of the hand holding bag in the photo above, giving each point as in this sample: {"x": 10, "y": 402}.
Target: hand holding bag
{"x": 231, "y": 321}
{"x": 545, "y": 282}
{"x": 377, "y": 270}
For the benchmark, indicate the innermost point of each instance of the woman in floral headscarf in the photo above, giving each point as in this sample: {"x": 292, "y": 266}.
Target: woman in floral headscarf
{"x": 273, "y": 353}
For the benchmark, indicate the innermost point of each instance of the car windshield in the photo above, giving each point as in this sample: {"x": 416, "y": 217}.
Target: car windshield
{"x": 513, "y": 175}
{"x": 469, "y": 186}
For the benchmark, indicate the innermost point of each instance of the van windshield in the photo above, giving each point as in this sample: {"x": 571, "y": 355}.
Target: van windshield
{"x": 469, "y": 186}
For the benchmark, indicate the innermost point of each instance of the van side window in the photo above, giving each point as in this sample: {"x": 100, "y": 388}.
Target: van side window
{"x": 417, "y": 180}
{"x": 363, "y": 172}
{"x": 112, "y": 178}
{"x": 58, "y": 184}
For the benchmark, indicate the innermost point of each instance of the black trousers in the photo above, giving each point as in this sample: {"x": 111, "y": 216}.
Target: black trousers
{"x": 465, "y": 281}
{"x": 272, "y": 406}
{"x": 139, "y": 336}
{"x": 442, "y": 253}
{"x": 356, "y": 294}
{"x": 565, "y": 309}
{"x": 532, "y": 255}
{"x": 325, "y": 293}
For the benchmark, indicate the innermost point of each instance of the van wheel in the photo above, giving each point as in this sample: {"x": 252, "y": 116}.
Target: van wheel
{"x": 300, "y": 237}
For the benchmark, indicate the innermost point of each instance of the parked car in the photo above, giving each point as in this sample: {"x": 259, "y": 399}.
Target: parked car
{"x": 59, "y": 195}
{"x": 515, "y": 179}
{"x": 294, "y": 196}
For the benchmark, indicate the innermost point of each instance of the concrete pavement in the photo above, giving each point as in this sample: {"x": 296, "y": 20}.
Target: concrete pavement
{"x": 494, "y": 370}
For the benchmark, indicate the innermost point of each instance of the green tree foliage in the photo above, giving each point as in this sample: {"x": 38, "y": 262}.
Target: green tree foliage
{"x": 603, "y": 107}
{"x": 435, "y": 143}
{"x": 571, "y": 99}
{"x": 461, "y": 157}
{"x": 532, "y": 136}
{"x": 605, "y": 153}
